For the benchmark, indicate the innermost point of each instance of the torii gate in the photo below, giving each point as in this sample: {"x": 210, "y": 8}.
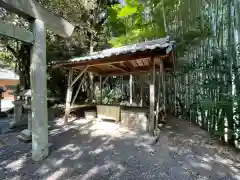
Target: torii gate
{"x": 38, "y": 17}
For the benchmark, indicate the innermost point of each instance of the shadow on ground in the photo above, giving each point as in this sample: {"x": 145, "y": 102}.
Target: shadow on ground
{"x": 102, "y": 150}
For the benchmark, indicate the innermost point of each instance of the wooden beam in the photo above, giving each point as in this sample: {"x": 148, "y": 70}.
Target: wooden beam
{"x": 12, "y": 31}
{"x": 92, "y": 69}
{"x": 133, "y": 71}
{"x": 77, "y": 92}
{"x": 95, "y": 70}
{"x": 75, "y": 80}
{"x": 30, "y": 9}
{"x": 129, "y": 64}
{"x": 39, "y": 92}
{"x": 105, "y": 80}
{"x": 124, "y": 65}
{"x": 117, "y": 67}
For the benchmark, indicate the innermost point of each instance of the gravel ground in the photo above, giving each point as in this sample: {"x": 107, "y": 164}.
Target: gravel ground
{"x": 101, "y": 151}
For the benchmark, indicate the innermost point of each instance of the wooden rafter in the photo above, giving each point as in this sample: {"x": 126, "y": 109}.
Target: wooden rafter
{"x": 135, "y": 64}
{"x": 124, "y": 65}
{"x": 132, "y": 71}
{"x": 116, "y": 66}
{"x": 140, "y": 62}
{"x": 129, "y": 64}
{"x": 94, "y": 69}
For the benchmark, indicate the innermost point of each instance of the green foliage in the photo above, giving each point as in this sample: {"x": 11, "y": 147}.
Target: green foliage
{"x": 127, "y": 11}
{"x": 135, "y": 36}
{"x": 109, "y": 96}
{"x": 6, "y": 59}
{"x": 131, "y": 23}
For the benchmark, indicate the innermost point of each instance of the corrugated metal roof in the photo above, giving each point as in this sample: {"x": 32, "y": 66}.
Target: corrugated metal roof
{"x": 140, "y": 47}
{"x": 6, "y": 74}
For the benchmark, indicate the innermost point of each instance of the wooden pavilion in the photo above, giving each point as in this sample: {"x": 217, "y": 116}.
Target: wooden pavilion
{"x": 147, "y": 57}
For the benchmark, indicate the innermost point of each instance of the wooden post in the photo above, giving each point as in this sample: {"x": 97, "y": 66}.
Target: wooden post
{"x": 122, "y": 88}
{"x": 164, "y": 88}
{"x": 152, "y": 99}
{"x": 100, "y": 89}
{"x": 68, "y": 96}
{"x": 158, "y": 96}
{"x": 39, "y": 92}
{"x": 91, "y": 86}
{"x": 131, "y": 89}
{"x": 141, "y": 91}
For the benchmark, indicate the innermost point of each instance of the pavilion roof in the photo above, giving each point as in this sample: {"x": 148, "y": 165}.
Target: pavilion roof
{"x": 126, "y": 59}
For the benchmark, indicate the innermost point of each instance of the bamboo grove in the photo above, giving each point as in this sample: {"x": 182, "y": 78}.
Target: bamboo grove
{"x": 206, "y": 83}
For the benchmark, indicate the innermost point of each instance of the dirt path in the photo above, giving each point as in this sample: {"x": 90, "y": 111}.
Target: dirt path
{"x": 104, "y": 151}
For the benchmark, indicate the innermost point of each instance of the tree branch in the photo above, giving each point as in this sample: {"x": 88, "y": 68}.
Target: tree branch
{"x": 15, "y": 54}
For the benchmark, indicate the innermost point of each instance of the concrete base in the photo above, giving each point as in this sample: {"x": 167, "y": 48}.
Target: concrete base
{"x": 109, "y": 112}
{"x": 135, "y": 121}
{"x": 25, "y": 136}
{"x": 90, "y": 115}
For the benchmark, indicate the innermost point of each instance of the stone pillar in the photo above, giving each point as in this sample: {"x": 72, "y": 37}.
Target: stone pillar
{"x": 39, "y": 92}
